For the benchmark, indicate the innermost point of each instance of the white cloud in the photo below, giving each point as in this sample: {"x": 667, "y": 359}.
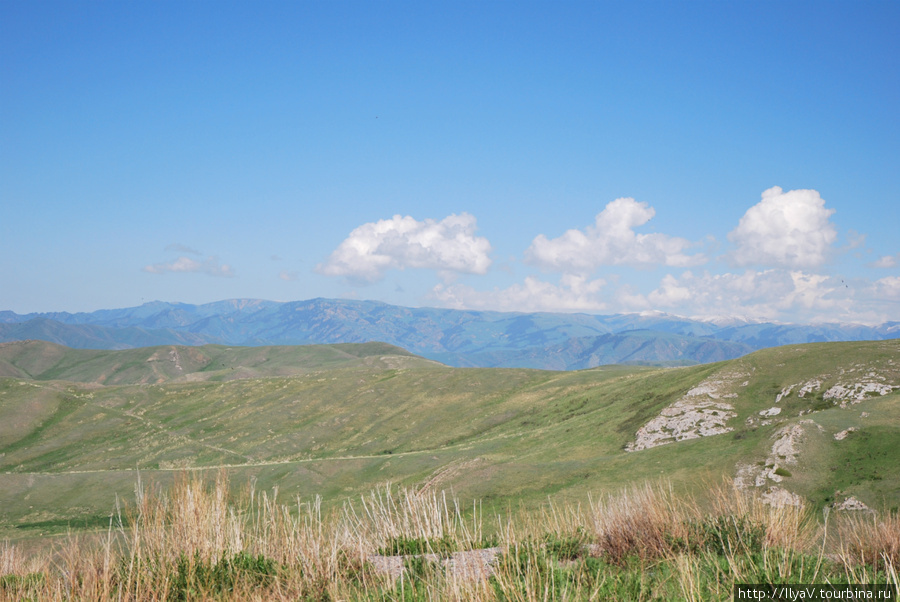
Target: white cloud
{"x": 767, "y": 295}
{"x": 776, "y": 295}
{"x": 449, "y": 246}
{"x": 785, "y": 229}
{"x": 773, "y": 294}
{"x": 573, "y": 293}
{"x": 612, "y": 241}
{"x": 672, "y": 292}
{"x": 210, "y": 267}
{"x": 886, "y": 261}
{"x": 888, "y": 288}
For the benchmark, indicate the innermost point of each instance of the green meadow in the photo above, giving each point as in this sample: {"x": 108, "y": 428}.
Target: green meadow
{"x": 87, "y": 436}
{"x": 77, "y": 426}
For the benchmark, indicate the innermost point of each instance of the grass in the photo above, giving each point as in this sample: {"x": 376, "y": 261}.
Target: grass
{"x": 527, "y": 449}
{"x": 197, "y": 541}
{"x": 45, "y": 361}
{"x": 339, "y": 421}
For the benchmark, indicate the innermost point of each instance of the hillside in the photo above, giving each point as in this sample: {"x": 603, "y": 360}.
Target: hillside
{"x": 454, "y": 337}
{"x": 39, "y": 360}
{"x": 818, "y": 421}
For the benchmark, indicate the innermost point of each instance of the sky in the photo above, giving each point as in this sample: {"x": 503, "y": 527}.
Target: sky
{"x": 703, "y": 159}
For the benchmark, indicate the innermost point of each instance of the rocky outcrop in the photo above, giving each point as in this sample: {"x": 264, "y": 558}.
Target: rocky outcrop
{"x": 701, "y": 412}
{"x": 768, "y": 475}
{"x": 843, "y": 434}
{"x": 852, "y": 504}
{"x": 849, "y": 393}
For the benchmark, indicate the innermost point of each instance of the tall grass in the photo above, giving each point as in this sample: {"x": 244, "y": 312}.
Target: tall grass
{"x": 198, "y": 541}
{"x": 871, "y": 539}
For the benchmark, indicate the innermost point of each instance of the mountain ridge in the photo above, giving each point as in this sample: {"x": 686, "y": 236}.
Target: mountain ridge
{"x": 456, "y": 337}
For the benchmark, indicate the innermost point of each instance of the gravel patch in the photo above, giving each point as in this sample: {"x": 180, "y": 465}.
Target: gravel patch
{"x": 466, "y": 564}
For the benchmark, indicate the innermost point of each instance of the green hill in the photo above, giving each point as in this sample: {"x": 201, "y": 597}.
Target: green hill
{"x": 819, "y": 421}
{"x": 44, "y": 361}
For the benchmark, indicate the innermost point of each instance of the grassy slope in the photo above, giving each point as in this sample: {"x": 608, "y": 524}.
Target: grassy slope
{"x": 44, "y": 361}
{"x": 348, "y": 418}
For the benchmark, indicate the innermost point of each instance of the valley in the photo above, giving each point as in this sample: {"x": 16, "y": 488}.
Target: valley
{"x": 817, "y": 422}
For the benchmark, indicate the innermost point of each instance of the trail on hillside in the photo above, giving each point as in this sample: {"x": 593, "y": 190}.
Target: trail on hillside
{"x": 254, "y": 464}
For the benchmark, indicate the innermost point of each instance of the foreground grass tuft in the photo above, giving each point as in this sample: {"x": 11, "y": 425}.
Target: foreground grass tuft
{"x": 195, "y": 542}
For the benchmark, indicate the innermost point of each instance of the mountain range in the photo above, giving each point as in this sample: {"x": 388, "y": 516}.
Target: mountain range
{"x": 463, "y": 338}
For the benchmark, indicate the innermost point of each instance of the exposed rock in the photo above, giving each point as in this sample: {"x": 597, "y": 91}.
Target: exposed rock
{"x": 853, "y": 504}
{"x": 784, "y": 451}
{"x": 685, "y": 419}
{"x": 699, "y": 413}
{"x": 843, "y": 434}
{"x": 778, "y": 497}
{"x": 856, "y": 392}
{"x": 746, "y": 476}
{"x": 784, "y": 393}
{"x": 810, "y": 386}
{"x": 787, "y": 446}
{"x": 773, "y": 411}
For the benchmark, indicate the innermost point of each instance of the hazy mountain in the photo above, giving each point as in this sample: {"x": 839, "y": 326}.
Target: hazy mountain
{"x": 455, "y": 337}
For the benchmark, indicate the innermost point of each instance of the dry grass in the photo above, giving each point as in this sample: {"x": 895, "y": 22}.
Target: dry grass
{"x": 195, "y": 542}
{"x": 870, "y": 539}
{"x": 387, "y": 515}
{"x": 642, "y": 522}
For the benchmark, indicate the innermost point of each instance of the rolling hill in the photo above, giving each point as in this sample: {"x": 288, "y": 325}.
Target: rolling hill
{"x": 39, "y": 360}
{"x": 817, "y": 421}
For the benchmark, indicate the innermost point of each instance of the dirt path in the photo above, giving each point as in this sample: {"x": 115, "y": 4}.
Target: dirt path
{"x": 440, "y": 473}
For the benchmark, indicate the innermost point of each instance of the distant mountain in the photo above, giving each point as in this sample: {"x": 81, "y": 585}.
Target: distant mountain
{"x": 92, "y": 336}
{"x": 456, "y": 337}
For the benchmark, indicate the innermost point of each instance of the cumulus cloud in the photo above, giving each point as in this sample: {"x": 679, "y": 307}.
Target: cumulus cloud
{"x": 886, "y": 261}
{"x": 776, "y": 295}
{"x": 573, "y": 293}
{"x": 888, "y": 288}
{"x": 785, "y": 229}
{"x": 874, "y": 302}
{"x": 209, "y": 266}
{"x": 772, "y": 294}
{"x": 611, "y": 240}
{"x": 449, "y": 246}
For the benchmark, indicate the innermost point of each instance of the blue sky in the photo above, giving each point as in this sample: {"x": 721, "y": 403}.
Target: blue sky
{"x": 697, "y": 158}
